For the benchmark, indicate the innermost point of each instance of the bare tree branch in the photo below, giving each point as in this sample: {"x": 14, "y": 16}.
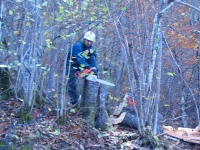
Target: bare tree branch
{"x": 179, "y": 72}
{"x": 180, "y": 2}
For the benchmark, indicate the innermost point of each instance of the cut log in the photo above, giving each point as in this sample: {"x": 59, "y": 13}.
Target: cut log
{"x": 118, "y": 120}
{"x": 130, "y": 120}
{"x": 186, "y": 134}
{"x": 118, "y": 109}
{"x": 197, "y": 129}
{"x": 126, "y": 115}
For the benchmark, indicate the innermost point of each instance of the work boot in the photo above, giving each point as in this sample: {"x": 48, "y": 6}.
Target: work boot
{"x": 73, "y": 102}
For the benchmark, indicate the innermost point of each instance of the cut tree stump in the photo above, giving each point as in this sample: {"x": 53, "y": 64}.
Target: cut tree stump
{"x": 103, "y": 122}
{"x": 89, "y": 106}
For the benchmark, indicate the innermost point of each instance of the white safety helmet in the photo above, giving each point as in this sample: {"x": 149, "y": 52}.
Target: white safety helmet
{"x": 89, "y": 36}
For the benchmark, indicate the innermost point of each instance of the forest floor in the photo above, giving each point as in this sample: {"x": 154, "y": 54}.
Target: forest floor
{"x": 74, "y": 134}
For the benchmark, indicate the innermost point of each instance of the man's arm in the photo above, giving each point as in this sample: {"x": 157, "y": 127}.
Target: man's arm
{"x": 80, "y": 57}
{"x": 93, "y": 63}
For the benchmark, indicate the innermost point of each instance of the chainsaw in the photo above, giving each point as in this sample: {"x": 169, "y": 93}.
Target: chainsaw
{"x": 89, "y": 74}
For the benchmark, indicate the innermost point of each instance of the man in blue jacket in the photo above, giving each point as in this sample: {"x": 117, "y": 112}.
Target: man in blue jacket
{"x": 81, "y": 56}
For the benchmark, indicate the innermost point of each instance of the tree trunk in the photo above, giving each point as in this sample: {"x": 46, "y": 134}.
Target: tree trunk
{"x": 1, "y": 15}
{"x": 159, "y": 48}
{"x": 89, "y": 101}
{"x": 183, "y": 109}
{"x": 103, "y": 121}
{"x": 4, "y": 81}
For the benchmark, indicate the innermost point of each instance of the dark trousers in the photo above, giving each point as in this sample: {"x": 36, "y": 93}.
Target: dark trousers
{"x": 71, "y": 85}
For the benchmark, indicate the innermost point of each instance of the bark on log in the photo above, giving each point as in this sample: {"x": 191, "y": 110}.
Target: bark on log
{"x": 103, "y": 122}
{"x": 89, "y": 101}
{"x": 128, "y": 118}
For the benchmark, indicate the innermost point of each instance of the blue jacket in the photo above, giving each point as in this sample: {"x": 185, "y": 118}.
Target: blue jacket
{"x": 79, "y": 59}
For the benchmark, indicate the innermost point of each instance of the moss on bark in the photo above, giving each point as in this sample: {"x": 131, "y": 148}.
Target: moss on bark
{"x": 61, "y": 120}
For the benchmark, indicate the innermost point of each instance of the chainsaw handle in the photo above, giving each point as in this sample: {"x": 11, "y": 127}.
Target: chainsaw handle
{"x": 85, "y": 71}
{"x": 93, "y": 68}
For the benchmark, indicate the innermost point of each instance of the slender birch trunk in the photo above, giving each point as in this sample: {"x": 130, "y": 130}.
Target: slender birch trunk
{"x": 183, "y": 109}
{"x": 1, "y": 17}
{"x": 158, "y": 75}
{"x": 63, "y": 89}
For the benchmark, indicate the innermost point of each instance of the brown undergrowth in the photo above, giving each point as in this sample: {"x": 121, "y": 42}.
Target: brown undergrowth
{"x": 74, "y": 134}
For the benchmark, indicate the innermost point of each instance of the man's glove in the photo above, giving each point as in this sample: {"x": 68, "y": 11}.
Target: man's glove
{"x": 85, "y": 72}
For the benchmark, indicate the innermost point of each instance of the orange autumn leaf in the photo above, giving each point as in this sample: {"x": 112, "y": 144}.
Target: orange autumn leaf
{"x": 131, "y": 102}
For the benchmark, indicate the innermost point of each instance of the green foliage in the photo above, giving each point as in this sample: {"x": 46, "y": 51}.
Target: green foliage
{"x": 25, "y": 148}
{"x": 166, "y": 105}
{"x": 2, "y": 144}
{"x": 48, "y": 42}
{"x": 72, "y": 110}
{"x": 24, "y": 114}
{"x": 59, "y": 19}
{"x": 93, "y": 18}
{"x": 72, "y": 34}
{"x": 45, "y": 4}
{"x": 113, "y": 98}
{"x": 56, "y": 132}
{"x": 10, "y": 12}
{"x": 55, "y": 95}
{"x": 16, "y": 32}
{"x": 122, "y": 8}
{"x": 105, "y": 9}
{"x": 170, "y": 74}
{"x": 61, "y": 10}
{"x": 26, "y": 117}
{"x": 28, "y": 24}
{"x": 5, "y": 96}
{"x": 84, "y": 8}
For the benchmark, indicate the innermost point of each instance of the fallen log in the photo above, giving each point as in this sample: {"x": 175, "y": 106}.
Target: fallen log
{"x": 115, "y": 120}
{"x": 130, "y": 120}
{"x": 186, "y": 134}
{"x": 126, "y": 115}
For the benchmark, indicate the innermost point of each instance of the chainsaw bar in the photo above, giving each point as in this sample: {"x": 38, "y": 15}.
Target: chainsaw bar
{"x": 95, "y": 79}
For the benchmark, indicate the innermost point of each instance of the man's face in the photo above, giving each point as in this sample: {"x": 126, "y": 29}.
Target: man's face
{"x": 88, "y": 43}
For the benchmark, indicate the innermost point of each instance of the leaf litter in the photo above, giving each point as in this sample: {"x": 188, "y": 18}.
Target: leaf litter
{"x": 74, "y": 134}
